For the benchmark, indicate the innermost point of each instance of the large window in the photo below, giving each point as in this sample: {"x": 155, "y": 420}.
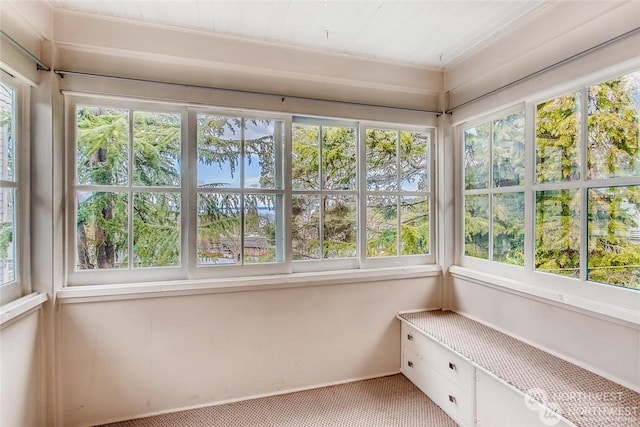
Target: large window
{"x": 588, "y": 183}
{"x": 162, "y": 192}
{"x": 584, "y": 164}
{"x": 13, "y": 196}
{"x": 493, "y": 189}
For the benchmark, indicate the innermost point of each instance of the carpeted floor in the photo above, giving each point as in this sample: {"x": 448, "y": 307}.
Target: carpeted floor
{"x": 390, "y": 401}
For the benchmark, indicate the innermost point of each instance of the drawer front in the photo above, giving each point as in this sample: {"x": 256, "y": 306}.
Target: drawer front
{"x": 449, "y": 364}
{"x": 457, "y": 403}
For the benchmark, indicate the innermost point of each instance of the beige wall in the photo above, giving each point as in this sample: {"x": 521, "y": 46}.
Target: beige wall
{"x": 126, "y": 358}
{"x": 21, "y": 382}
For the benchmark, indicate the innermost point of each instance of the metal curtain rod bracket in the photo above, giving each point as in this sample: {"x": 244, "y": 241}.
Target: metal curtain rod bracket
{"x": 545, "y": 69}
{"x": 40, "y": 65}
{"x": 282, "y": 98}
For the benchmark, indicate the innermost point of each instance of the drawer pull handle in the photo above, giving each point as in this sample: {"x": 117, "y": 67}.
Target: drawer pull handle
{"x": 452, "y": 366}
{"x": 410, "y": 363}
{"x": 452, "y": 399}
{"x": 410, "y": 337}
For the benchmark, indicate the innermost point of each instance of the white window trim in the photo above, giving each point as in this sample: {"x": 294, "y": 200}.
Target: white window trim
{"x": 189, "y": 270}
{"x": 612, "y": 301}
{"x": 22, "y": 285}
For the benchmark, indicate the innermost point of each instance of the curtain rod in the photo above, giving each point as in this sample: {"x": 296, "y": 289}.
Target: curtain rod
{"x": 545, "y": 69}
{"x": 39, "y": 64}
{"x": 63, "y": 73}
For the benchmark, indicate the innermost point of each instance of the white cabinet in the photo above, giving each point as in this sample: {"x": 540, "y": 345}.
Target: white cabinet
{"x": 441, "y": 374}
{"x": 499, "y": 405}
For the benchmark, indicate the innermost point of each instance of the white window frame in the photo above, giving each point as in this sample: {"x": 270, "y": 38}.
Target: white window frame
{"x": 609, "y": 300}
{"x": 22, "y": 284}
{"x": 189, "y": 268}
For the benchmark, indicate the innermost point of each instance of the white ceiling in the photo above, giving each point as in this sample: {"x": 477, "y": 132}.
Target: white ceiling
{"x": 421, "y": 32}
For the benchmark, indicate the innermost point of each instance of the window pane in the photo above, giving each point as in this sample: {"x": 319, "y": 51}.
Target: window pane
{"x": 382, "y": 226}
{"x": 614, "y": 236}
{"x": 219, "y": 229}
{"x": 558, "y": 232}
{"x": 156, "y": 229}
{"x": 305, "y": 227}
{"x": 557, "y": 139}
{"x": 263, "y": 140}
{"x": 339, "y": 158}
{"x": 508, "y": 228}
{"x": 305, "y": 158}
{"x": 508, "y": 151}
{"x": 102, "y": 146}
{"x": 414, "y": 161}
{"x": 102, "y": 237}
{"x": 614, "y": 128}
{"x": 476, "y": 157}
{"x": 476, "y": 226}
{"x": 7, "y": 236}
{"x": 414, "y": 225}
{"x": 7, "y": 133}
{"x": 340, "y": 227}
{"x": 382, "y": 168}
{"x": 219, "y": 151}
{"x": 156, "y": 143}
{"x": 259, "y": 229}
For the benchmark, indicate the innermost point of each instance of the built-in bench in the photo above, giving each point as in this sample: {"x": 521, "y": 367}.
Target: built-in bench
{"x": 512, "y": 382}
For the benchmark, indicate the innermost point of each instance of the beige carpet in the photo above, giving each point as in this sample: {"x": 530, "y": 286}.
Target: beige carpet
{"x": 390, "y": 401}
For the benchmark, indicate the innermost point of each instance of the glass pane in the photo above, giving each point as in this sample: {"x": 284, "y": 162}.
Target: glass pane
{"x": 614, "y": 120}
{"x": 508, "y": 151}
{"x": 219, "y": 151}
{"x": 103, "y": 146}
{"x": 382, "y": 165}
{"x": 614, "y": 236}
{"x": 476, "y": 157}
{"x": 102, "y": 235}
{"x": 7, "y": 236}
{"x": 156, "y": 229}
{"x": 219, "y": 231}
{"x": 7, "y": 133}
{"x": 508, "y": 228}
{"x": 339, "y": 227}
{"x": 414, "y": 161}
{"x": 305, "y": 227}
{"x": 305, "y": 158}
{"x": 476, "y": 226}
{"x": 156, "y": 144}
{"x": 259, "y": 229}
{"x": 382, "y": 226}
{"x": 558, "y": 232}
{"x": 263, "y": 139}
{"x": 414, "y": 226}
{"x": 557, "y": 139}
{"x": 339, "y": 158}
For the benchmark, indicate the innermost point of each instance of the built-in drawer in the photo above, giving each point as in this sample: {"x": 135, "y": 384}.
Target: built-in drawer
{"x": 449, "y": 364}
{"x": 457, "y": 403}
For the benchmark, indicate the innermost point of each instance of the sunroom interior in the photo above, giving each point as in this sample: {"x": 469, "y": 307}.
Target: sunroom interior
{"x": 320, "y": 178}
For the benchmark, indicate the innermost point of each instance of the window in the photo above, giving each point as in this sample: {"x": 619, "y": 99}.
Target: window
{"x": 127, "y": 188}
{"x": 163, "y": 192}
{"x": 493, "y": 189}
{"x": 584, "y": 164}
{"x": 588, "y": 180}
{"x": 13, "y": 173}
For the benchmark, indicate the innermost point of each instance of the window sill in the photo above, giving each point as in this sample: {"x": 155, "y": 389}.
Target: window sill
{"x": 240, "y": 284}
{"x": 21, "y": 307}
{"x": 590, "y": 307}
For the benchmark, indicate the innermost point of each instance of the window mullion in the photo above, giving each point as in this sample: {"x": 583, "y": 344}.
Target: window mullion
{"x": 584, "y": 178}
{"x": 130, "y": 207}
